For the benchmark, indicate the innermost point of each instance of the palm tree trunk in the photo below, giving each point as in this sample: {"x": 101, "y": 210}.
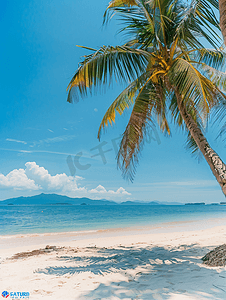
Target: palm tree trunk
{"x": 222, "y": 9}
{"x": 216, "y": 164}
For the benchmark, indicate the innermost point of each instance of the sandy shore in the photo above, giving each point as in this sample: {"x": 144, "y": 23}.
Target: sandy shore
{"x": 162, "y": 262}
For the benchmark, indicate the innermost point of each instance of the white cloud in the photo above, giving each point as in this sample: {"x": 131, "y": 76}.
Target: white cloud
{"x": 58, "y": 182}
{"x": 101, "y": 190}
{"x": 18, "y": 180}
{"x": 34, "y": 177}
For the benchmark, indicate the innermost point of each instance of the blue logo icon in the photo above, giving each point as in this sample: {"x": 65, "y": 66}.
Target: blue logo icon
{"x": 5, "y": 294}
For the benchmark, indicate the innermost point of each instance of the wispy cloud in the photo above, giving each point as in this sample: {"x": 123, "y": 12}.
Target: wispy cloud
{"x": 16, "y": 150}
{"x": 44, "y": 151}
{"x": 50, "y": 130}
{"x": 189, "y": 183}
{"x": 16, "y": 141}
{"x": 200, "y": 183}
{"x": 57, "y": 139}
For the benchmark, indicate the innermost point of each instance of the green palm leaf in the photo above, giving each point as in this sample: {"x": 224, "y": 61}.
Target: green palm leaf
{"x": 141, "y": 122}
{"x": 198, "y": 19}
{"x": 212, "y": 57}
{"x": 217, "y": 77}
{"x": 192, "y": 84}
{"x": 123, "y": 101}
{"x": 98, "y": 68}
{"x": 132, "y": 141}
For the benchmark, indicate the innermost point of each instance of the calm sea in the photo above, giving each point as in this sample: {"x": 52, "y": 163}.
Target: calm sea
{"x": 61, "y": 218}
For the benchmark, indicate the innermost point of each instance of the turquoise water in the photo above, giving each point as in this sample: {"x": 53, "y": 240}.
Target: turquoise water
{"x": 49, "y": 218}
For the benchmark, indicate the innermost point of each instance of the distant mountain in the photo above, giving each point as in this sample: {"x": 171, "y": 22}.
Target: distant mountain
{"x": 54, "y": 199}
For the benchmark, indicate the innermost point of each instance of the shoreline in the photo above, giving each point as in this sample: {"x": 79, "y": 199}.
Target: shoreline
{"x": 136, "y": 227}
{"x": 24, "y": 242}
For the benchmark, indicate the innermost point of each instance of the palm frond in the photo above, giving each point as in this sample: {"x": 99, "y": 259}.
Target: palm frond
{"x": 118, "y": 3}
{"x": 192, "y": 147}
{"x": 115, "y": 4}
{"x": 127, "y": 6}
{"x": 175, "y": 113}
{"x": 219, "y": 115}
{"x": 193, "y": 85}
{"x": 217, "y": 77}
{"x": 205, "y": 13}
{"x": 133, "y": 137}
{"x": 141, "y": 121}
{"x": 198, "y": 19}
{"x": 191, "y": 110}
{"x": 159, "y": 108}
{"x": 212, "y": 57}
{"x": 123, "y": 101}
{"x": 121, "y": 62}
{"x": 140, "y": 32}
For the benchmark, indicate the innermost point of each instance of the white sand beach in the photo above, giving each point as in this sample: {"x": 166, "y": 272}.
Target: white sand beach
{"x": 161, "y": 262}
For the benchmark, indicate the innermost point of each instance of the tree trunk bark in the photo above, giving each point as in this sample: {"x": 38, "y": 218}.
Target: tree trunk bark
{"x": 222, "y": 9}
{"x": 216, "y": 164}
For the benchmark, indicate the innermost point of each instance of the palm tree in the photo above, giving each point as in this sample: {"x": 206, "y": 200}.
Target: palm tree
{"x": 170, "y": 74}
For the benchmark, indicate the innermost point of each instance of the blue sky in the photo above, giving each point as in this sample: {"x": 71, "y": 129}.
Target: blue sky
{"x": 39, "y": 129}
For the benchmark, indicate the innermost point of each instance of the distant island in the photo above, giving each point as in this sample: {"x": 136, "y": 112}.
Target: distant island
{"x": 195, "y": 203}
{"x": 54, "y": 199}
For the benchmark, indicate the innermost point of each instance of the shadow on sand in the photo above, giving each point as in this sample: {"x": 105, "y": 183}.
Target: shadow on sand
{"x": 145, "y": 272}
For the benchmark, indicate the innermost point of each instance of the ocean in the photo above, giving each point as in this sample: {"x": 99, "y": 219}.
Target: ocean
{"x": 28, "y": 219}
